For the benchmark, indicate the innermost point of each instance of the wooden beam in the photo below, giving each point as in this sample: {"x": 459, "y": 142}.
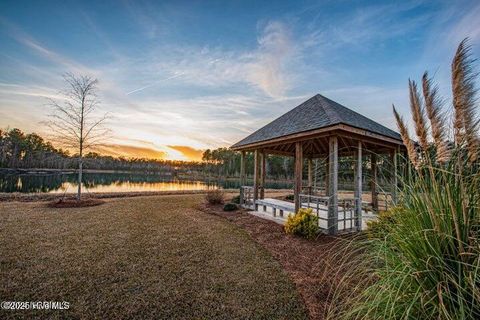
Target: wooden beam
{"x": 317, "y": 146}
{"x": 298, "y": 174}
{"x": 291, "y": 148}
{"x": 256, "y": 175}
{"x": 358, "y": 188}
{"x": 279, "y": 152}
{"x": 263, "y": 173}
{"x": 374, "y": 143}
{"x": 290, "y": 138}
{"x": 333, "y": 186}
{"x": 373, "y": 159}
{"x": 370, "y": 134}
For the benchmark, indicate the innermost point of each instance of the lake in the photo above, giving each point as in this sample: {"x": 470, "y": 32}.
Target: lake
{"x": 114, "y": 182}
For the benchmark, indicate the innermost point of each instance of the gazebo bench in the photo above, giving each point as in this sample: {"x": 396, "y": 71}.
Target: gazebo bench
{"x": 275, "y": 204}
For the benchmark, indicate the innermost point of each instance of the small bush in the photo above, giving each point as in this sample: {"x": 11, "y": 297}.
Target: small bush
{"x": 290, "y": 197}
{"x": 378, "y": 229}
{"x": 230, "y": 207}
{"x": 215, "y": 196}
{"x": 236, "y": 199}
{"x": 304, "y": 224}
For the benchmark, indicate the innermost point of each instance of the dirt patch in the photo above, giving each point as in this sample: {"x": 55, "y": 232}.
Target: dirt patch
{"x": 311, "y": 264}
{"x": 74, "y": 203}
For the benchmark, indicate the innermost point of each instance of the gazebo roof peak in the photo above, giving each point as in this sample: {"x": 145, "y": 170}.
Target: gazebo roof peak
{"x": 316, "y": 113}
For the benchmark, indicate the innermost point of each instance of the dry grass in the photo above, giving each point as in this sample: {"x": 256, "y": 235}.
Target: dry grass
{"x": 143, "y": 257}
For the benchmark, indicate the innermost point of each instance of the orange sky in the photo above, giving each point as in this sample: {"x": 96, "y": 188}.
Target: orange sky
{"x": 128, "y": 151}
{"x": 174, "y": 89}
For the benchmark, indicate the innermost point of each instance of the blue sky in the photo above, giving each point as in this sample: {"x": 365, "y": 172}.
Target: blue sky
{"x": 182, "y": 76}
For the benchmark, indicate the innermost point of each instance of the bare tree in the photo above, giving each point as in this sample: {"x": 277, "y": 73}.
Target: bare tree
{"x": 73, "y": 123}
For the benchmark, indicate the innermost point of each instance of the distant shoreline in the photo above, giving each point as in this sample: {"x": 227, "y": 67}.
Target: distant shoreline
{"x": 180, "y": 175}
{"x": 40, "y": 171}
{"x": 32, "y": 197}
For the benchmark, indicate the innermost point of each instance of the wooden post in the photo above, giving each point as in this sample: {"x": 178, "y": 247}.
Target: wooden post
{"x": 242, "y": 169}
{"x": 298, "y": 174}
{"x": 395, "y": 181}
{"x": 242, "y": 177}
{"x": 373, "y": 159}
{"x": 327, "y": 176}
{"x": 263, "y": 173}
{"x": 333, "y": 185}
{"x": 358, "y": 188}
{"x": 256, "y": 177}
{"x": 310, "y": 176}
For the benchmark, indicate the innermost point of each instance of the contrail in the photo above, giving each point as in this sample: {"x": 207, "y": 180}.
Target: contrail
{"x": 154, "y": 83}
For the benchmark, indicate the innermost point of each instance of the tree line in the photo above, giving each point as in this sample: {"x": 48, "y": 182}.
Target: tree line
{"x": 226, "y": 162}
{"x": 30, "y": 150}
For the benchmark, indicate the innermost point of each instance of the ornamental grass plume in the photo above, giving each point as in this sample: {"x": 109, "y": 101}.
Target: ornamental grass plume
{"x": 433, "y": 106}
{"x": 418, "y": 115}
{"x": 423, "y": 259}
{"x": 466, "y": 121}
{"x": 412, "y": 153}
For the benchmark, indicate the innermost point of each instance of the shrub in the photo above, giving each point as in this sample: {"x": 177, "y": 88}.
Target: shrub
{"x": 230, "y": 207}
{"x": 236, "y": 199}
{"x": 290, "y": 197}
{"x": 379, "y": 228}
{"x": 216, "y": 196}
{"x": 304, "y": 224}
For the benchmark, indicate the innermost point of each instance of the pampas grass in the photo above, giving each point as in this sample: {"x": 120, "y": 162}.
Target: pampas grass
{"x": 466, "y": 122}
{"x": 424, "y": 262}
{"x": 433, "y": 106}
{"x": 412, "y": 153}
{"x": 418, "y": 114}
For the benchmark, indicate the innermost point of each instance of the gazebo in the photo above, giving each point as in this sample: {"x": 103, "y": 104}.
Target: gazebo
{"x": 319, "y": 128}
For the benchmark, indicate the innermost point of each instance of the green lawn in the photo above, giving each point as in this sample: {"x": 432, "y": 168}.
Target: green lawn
{"x": 149, "y": 257}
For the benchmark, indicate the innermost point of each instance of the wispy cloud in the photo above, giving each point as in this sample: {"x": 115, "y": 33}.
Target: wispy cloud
{"x": 189, "y": 152}
{"x": 118, "y": 150}
{"x": 154, "y": 83}
{"x": 269, "y": 71}
{"x": 467, "y": 26}
{"x": 184, "y": 90}
{"x": 266, "y": 67}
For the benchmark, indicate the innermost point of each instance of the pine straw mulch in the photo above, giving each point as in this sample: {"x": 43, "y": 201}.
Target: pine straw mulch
{"x": 311, "y": 264}
{"x": 74, "y": 203}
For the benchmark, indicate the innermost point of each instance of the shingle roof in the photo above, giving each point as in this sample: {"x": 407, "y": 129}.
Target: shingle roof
{"x": 315, "y": 113}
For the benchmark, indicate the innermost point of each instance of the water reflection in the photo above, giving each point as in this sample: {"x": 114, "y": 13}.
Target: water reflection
{"x": 113, "y": 182}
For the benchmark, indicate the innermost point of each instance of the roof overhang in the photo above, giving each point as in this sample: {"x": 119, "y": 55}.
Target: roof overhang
{"x": 338, "y": 129}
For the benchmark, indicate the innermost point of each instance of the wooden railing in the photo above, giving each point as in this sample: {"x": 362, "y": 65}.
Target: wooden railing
{"x": 346, "y": 209}
{"x": 314, "y": 191}
{"x": 246, "y": 197}
{"x": 315, "y": 203}
{"x": 385, "y": 200}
